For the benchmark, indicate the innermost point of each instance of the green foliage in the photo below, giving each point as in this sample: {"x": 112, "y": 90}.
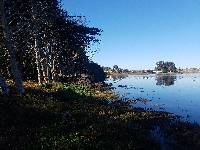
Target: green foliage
{"x": 50, "y": 44}
{"x": 67, "y": 91}
{"x": 53, "y": 137}
{"x": 96, "y": 73}
{"x": 165, "y": 67}
{"x": 81, "y": 90}
{"x": 53, "y": 86}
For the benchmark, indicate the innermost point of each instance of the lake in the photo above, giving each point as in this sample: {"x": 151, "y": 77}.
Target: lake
{"x": 178, "y": 94}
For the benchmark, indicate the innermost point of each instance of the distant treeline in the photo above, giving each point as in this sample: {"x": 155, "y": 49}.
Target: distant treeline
{"x": 161, "y": 67}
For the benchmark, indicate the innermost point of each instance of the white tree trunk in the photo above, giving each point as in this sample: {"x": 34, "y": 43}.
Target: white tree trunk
{"x": 36, "y": 44}
{"x": 38, "y": 64}
{"x": 4, "y": 85}
{"x": 52, "y": 60}
{"x": 53, "y": 69}
{"x": 44, "y": 70}
{"x": 12, "y": 50}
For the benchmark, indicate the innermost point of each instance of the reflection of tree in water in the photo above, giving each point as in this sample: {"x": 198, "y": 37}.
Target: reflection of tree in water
{"x": 117, "y": 77}
{"x": 165, "y": 80}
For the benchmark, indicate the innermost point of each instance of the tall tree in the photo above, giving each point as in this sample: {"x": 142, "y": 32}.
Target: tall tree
{"x": 49, "y": 44}
{"x": 4, "y": 85}
{"x": 11, "y": 48}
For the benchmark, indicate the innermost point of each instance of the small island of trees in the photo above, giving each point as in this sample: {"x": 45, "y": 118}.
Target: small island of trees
{"x": 165, "y": 67}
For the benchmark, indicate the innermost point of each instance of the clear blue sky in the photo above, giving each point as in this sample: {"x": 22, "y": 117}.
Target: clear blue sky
{"x": 138, "y": 33}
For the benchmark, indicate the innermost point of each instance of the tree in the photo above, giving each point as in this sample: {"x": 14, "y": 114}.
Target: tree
{"x": 115, "y": 68}
{"x": 48, "y": 44}
{"x": 96, "y": 73}
{"x": 9, "y": 44}
{"x": 165, "y": 67}
{"x": 126, "y": 71}
{"x": 4, "y": 85}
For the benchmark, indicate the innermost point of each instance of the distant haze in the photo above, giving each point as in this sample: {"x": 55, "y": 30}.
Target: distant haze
{"x": 138, "y": 33}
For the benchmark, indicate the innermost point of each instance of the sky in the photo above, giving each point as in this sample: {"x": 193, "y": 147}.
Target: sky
{"x": 138, "y": 33}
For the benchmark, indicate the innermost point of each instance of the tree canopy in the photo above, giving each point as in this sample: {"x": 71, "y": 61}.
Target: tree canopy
{"x": 40, "y": 41}
{"x": 165, "y": 67}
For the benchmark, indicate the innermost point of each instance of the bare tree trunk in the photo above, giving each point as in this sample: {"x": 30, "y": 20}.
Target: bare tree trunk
{"x": 53, "y": 69}
{"x": 44, "y": 70}
{"x": 48, "y": 65}
{"x": 12, "y": 50}
{"x": 4, "y": 85}
{"x": 52, "y": 61}
{"x": 50, "y": 58}
{"x": 38, "y": 64}
{"x": 36, "y": 44}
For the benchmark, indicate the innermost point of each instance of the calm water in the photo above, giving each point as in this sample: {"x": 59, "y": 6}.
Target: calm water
{"x": 179, "y": 94}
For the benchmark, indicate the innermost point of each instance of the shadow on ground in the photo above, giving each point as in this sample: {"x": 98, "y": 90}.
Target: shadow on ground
{"x": 75, "y": 118}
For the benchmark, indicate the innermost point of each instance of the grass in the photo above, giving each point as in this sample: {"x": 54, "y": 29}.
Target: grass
{"x": 67, "y": 116}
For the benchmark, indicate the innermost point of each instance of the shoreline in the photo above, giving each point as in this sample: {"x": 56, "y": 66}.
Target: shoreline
{"x": 59, "y": 116}
{"x": 127, "y": 74}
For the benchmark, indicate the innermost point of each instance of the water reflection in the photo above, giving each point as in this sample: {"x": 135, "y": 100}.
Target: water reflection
{"x": 116, "y": 78}
{"x": 166, "y": 80}
{"x": 177, "y": 94}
